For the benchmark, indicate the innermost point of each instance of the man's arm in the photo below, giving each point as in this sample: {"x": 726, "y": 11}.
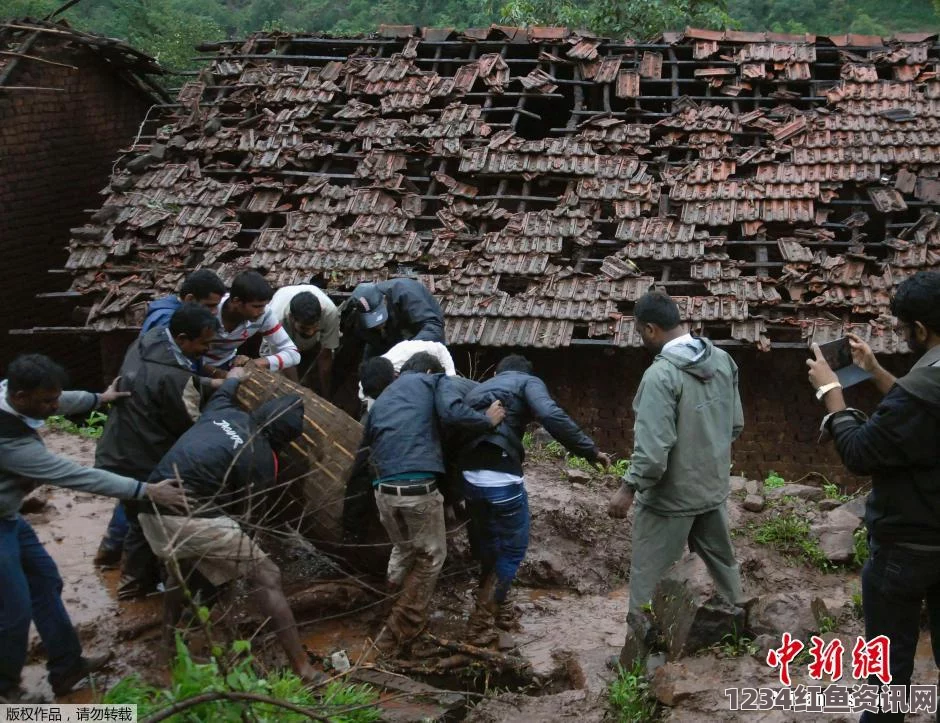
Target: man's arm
{"x": 180, "y": 404}
{"x": 285, "y": 351}
{"x": 454, "y": 412}
{"x": 737, "y": 424}
{"x": 31, "y": 459}
{"x": 325, "y": 370}
{"x": 899, "y": 434}
{"x": 654, "y": 431}
{"x": 556, "y": 422}
{"x": 423, "y": 312}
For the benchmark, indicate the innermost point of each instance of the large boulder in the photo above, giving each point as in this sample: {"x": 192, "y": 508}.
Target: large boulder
{"x": 689, "y": 612}
{"x": 783, "y": 612}
{"x": 805, "y": 492}
{"x": 836, "y": 534}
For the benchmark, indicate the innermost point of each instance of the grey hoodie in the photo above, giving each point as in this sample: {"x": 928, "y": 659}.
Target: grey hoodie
{"x": 688, "y": 412}
{"x": 25, "y": 463}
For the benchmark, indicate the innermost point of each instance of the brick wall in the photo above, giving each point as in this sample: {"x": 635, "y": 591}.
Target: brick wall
{"x": 596, "y": 386}
{"x": 56, "y": 151}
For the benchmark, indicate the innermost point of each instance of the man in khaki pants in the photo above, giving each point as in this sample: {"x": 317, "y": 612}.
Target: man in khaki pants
{"x": 402, "y": 440}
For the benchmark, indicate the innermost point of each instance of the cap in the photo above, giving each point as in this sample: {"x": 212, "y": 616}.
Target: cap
{"x": 373, "y": 310}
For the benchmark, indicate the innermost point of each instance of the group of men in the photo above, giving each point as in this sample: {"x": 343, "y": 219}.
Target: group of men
{"x": 194, "y": 471}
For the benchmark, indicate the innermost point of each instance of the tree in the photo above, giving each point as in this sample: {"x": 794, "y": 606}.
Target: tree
{"x": 633, "y": 18}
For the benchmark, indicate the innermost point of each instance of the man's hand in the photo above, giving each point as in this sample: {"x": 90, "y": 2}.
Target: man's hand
{"x": 168, "y": 493}
{"x": 620, "y": 503}
{"x": 820, "y": 373}
{"x": 603, "y": 461}
{"x": 496, "y": 413}
{"x": 862, "y": 355}
{"x": 261, "y": 363}
{"x": 111, "y": 394}
{"x": 236, "y": 373}
{"x": 240, "y": 361}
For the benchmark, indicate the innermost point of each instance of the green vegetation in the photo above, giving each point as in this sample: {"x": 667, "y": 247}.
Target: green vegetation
{"x": 789, "y": 535}
{"x": 827, "y": 624}
{"x": 734, "y": 645}
{"x": 834, "y": 493}
{"x": 92, "y": 427}
{"x": 631, "y": 699}
{"x": 861, "y": 547}
{"x": 857, "y": 608}
{"x": 337, "y": 702}
{"x": 170, "y": 29}
{"x": 773, "y": 481}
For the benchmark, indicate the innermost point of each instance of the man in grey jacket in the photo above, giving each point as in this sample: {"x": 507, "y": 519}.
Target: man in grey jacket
{"x": 31, "y": 589}
{"x": 687, "y": 413}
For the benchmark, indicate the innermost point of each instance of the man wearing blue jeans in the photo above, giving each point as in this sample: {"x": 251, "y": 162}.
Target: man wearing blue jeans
{"x": 897, "y": 446}
{"x": 30, "y": 586}
{"x": 494, "y": 489}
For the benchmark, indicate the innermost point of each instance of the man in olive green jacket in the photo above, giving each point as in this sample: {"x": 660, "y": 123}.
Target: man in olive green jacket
{"x": 688, "y": 412}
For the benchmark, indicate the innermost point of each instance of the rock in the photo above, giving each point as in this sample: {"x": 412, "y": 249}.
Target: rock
{"x": 578, "y": 475}
{"x": 35, "y": 501}
{"x": 158, "y": 150}
{"x": 828, "y": 504}
{"x": 754, "y": 503}
{"x": 783, "y": 612}
{"x": 763, "y": 644}
{"x": 805, "y": 492}
{"x": 820, "y": 611}
{"x": 689, "y": 612}
{"x": 836, "y": 535}
{"x": 541, "y": 436}
{"x": 571, "y": 705}
{"x": 673, "y": 684}
{"x": 855, "y": 506}
{"x": 738, "y": 483}
{"x": 654, "y": 662}
{"x": 753, "y": 487}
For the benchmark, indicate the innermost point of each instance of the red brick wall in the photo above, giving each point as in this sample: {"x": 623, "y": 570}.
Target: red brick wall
{"x": 56, "y": 151}
{"x": 596, "y": 386}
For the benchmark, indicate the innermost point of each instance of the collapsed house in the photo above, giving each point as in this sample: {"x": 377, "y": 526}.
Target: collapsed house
{"x": 68, "y": 102}
{"x": 539, "y": 181}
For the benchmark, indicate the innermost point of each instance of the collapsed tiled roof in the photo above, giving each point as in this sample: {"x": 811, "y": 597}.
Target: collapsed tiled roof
{"x": 28, "y": 40}
{"x": 539, "y": 181}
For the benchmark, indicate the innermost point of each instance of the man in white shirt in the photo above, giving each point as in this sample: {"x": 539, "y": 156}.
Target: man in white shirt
{"x": 243, "y": 313}
{"x": 311, "y": 320}
{"x": 404, "y": 350}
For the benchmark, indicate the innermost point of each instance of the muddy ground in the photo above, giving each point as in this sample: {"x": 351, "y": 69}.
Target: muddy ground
{"x": 572, "y": 597}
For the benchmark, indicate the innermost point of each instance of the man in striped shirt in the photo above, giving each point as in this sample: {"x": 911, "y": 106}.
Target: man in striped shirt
{"x": 242, "y": 313}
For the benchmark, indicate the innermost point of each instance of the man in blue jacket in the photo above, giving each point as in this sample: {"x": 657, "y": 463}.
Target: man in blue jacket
{"x": 491, "y": 465}
{"x": 402, "y": 440}
{"x": 899, "y": 446}
{"x": 202, "y": 287}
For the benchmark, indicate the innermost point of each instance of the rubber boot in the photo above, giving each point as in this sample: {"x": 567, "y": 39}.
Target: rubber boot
{"x": 506, "y": 617}
{"x": 481, "y": 627}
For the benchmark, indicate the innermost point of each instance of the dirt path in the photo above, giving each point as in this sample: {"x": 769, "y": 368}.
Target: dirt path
{"x": 572, "y": 598}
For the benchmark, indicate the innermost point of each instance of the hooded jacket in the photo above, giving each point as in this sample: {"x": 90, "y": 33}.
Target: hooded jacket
{"x": 899, "y": 446}
{"x": 687, "y": 413}
{"x": 525, "y": 399}
{"x": 227, "y": 460}
{"x": 25, "y": 463}
{"x": 164, "y": 403}
{"x": 160, "y": 312}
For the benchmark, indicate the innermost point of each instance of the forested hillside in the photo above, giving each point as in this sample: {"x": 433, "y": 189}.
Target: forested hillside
{"x": 170, "y": 28}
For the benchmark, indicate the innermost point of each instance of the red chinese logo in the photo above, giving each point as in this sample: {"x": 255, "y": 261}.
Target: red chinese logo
{"x": 826, "y": 660}
{"x": 784, "y": 655}
{"x": 871, "y": 658}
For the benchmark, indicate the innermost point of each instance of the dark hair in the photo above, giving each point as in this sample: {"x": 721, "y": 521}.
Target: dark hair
{"x": 190, "y": 319}
{"x": 305, "y": 308}
{"x": 29, "y": 372}
{"x": 514, "y": 363}
{"x": 423, "y": 362}
{"x": 202, "y": 284}
{"x": 657, "y": 307}
{"x": 375, "y": 374}
{"x": 918, "y": 299}
{"x": 251, "y": 286}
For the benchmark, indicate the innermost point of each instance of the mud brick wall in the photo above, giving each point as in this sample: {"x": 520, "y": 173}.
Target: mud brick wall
{"x": 596, "y": 386}
{"x": 56, "y": 152}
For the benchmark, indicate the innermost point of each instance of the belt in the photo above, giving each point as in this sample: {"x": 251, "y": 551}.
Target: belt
{"x": 407, "y": 490}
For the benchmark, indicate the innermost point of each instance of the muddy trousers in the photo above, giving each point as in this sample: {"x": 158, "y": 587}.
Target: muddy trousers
{"x": 896, "y": 581}
{"x": 659, "y": 541}
{"x": 498, "y": 531}
{"x": 415, "y": 525}
{"x": 31, "y": 592}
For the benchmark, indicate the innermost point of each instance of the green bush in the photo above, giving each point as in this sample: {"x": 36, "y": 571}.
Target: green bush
{"x": 631, "y": 699}
{"x": 789, "y": 535}
{"x": 861, "y": 547}
{"x": 92, "y": 427}
{"x": 774, "y": 481}
{"x": 189, "y": 679}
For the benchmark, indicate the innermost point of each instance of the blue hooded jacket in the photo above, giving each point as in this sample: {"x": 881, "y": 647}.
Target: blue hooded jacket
{"x": 159, "y": 313}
